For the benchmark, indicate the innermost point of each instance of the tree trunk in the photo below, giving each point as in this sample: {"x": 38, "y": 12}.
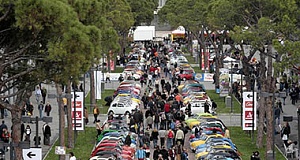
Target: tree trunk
{"x": 262, "y": 102}
{"x": 61, "y": 117}
{"x": 69, "y": 118}
{"x": 16, "y": 130}
{"x": 92, "y": 87}
{"x": 269, "y": 109}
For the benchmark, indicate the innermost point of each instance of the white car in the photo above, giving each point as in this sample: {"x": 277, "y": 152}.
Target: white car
{"x": 122, "y": 105}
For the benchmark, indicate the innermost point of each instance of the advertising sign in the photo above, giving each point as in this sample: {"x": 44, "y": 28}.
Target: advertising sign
{"x": 208, "y": 77}
{"x": 79, "y": 114}
{"x": 224, "y": 85}
{"x": 249, "y": 110}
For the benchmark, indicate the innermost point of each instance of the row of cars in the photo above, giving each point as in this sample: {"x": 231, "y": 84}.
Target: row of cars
{"x": 111, "y": 142}
{"x": 213, "y": 143}
{"x": 126, "y": 98}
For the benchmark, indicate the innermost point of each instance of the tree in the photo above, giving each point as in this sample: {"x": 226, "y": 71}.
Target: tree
{"x": 142, "y": 11}
{"x": 42, "y": 40}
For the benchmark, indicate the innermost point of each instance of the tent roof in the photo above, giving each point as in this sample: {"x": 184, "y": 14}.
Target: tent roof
{"x": 229, "y": 59}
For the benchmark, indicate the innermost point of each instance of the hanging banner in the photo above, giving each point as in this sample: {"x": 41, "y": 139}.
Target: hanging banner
{"x": 97, "y": 83}
{"x": 78, "y": 113}
{"x": 249, "y": 110}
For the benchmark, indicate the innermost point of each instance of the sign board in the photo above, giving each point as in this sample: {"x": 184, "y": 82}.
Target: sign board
{"x": 249, "y": 110}
{"x": 199, "y": 77}
{"x": 224, "y": 84}
{"x": 32, "y": 154}
{"x": 60, "y": 150}
{"x": 208, "y": 77}
{"x": 79, "y": 114}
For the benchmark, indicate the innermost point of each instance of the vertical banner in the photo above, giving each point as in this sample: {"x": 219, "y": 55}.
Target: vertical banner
{"x": 112, "y": 65}
{"x": 249, "y": 110}
{"x": 79, "y": 114}
{"x": 98, "y": 78}
{"x": 207, "y": 60}
{"x": 224, "y": 85}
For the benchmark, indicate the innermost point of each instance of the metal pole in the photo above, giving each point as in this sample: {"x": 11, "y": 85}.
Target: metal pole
{"x": 242, "y": 99}
{"x": 74, "y": 115}
{"x": 298, "y": 114}
{"x": 37, "y": 131}
{"x": 253, "y": 112}
{"x": 231, "y": 80}
{"x": 273, "y": 135}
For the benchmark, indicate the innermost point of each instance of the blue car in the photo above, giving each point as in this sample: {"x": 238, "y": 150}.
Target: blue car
{"x": 215, "y": 141}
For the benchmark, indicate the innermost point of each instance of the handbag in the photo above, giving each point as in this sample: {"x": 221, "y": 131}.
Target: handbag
{"x": 151, "y": 138}
{"x": 284, "y": 137}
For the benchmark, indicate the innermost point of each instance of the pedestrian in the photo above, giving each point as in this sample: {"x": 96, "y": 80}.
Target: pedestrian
{"x": 41, "y": 108}
{"x": 121, "y": 78}
{"x": 214, "y": 105}
{"x": 86, "y": 116}
{"x": 178, "y": 150}
{"x": 27, "y": 133}
{"x": 38, "y": 94}
{"x": 279, "y": 104}
{"x": 30, "y": 110}
{"x": 206, "y": 107}
{"x": 5, "y": 137}
{"x": 285, "y": 132}
{"x": 172, "y": 153}
{"x": 47, "y": 134}
{"x": 277, "y": 114}
{"x": 162, "y": 136}
{"x": 227, "y": 133}
{"x": 149, "y": 121}
{"x": 65, "y": 102}
{"x": 179, "y": 136}
{"x": 107, "y": 75}
{"x": 44, "y": 94}
{"x": 156, "y": 120}
{"x": 128, "y": 139}
{"x": 2, "y": 126}
{"x": 184, "y": 154}
{"x": 98, "y": 127}
{"x": 72, "y": 156}
{"x": 147, "y": 150}
{"x": 48, "y": 109}
{"x": 156, "y": 153}
{"x": 140, "y": 153}
{"x": 170, "y": 138}
{"x": 96, "y": 113}
{"x": 154, "y": 136}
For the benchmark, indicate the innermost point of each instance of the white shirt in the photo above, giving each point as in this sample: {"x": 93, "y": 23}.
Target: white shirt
{"x": 73, "y": 158}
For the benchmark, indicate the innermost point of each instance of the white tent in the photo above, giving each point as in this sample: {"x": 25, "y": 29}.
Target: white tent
{"x": 229, "y": 59}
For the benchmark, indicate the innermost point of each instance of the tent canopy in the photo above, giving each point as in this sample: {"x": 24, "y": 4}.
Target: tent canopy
{"x": 229, "y": 59}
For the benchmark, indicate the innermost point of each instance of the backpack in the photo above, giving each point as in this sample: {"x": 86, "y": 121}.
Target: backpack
{"x": 170, "y": 134}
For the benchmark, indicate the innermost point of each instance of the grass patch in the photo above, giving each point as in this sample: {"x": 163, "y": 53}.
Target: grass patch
{"x": 84, "y": 145}
{"x": 101, "y": 103}
{"x": 118, "y": 69}
{"x": 245, "y": 145}
{"x": 221, "y": 103}
{"x": 190, "y": 58}
{"x": 197, "y": 70}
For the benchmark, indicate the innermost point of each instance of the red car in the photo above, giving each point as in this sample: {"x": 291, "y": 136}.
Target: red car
{"x": 187, "y": 74}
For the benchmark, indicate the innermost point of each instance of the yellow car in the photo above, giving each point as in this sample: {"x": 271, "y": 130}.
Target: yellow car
{"x": 202, "y": 140}
{"x": 212, "y": 148}
{"x": 197, "y": 119}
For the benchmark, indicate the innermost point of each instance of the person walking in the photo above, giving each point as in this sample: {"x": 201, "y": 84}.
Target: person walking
{"x": 41, "y": 108}
{"x": 179, "y": 136}
{"x": 72, "y": 156}
{"x": 172, "y": 153}
{"x": 140, "y": 153}
{"x": 48, "y": 109}
{"x": 178, "y": 150}
{"x": 96, "y": 113}
{"x": 44, "y": 94}
{"x": 154, "y": 136}
{"x": 162, "y": 136}
{"x": 107, "y": 75}
{"x": 38, "y": 94}
{"x": 277, "y": 112}
{"x": 149, "y": 121}
{"x": 170, "y": 138}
